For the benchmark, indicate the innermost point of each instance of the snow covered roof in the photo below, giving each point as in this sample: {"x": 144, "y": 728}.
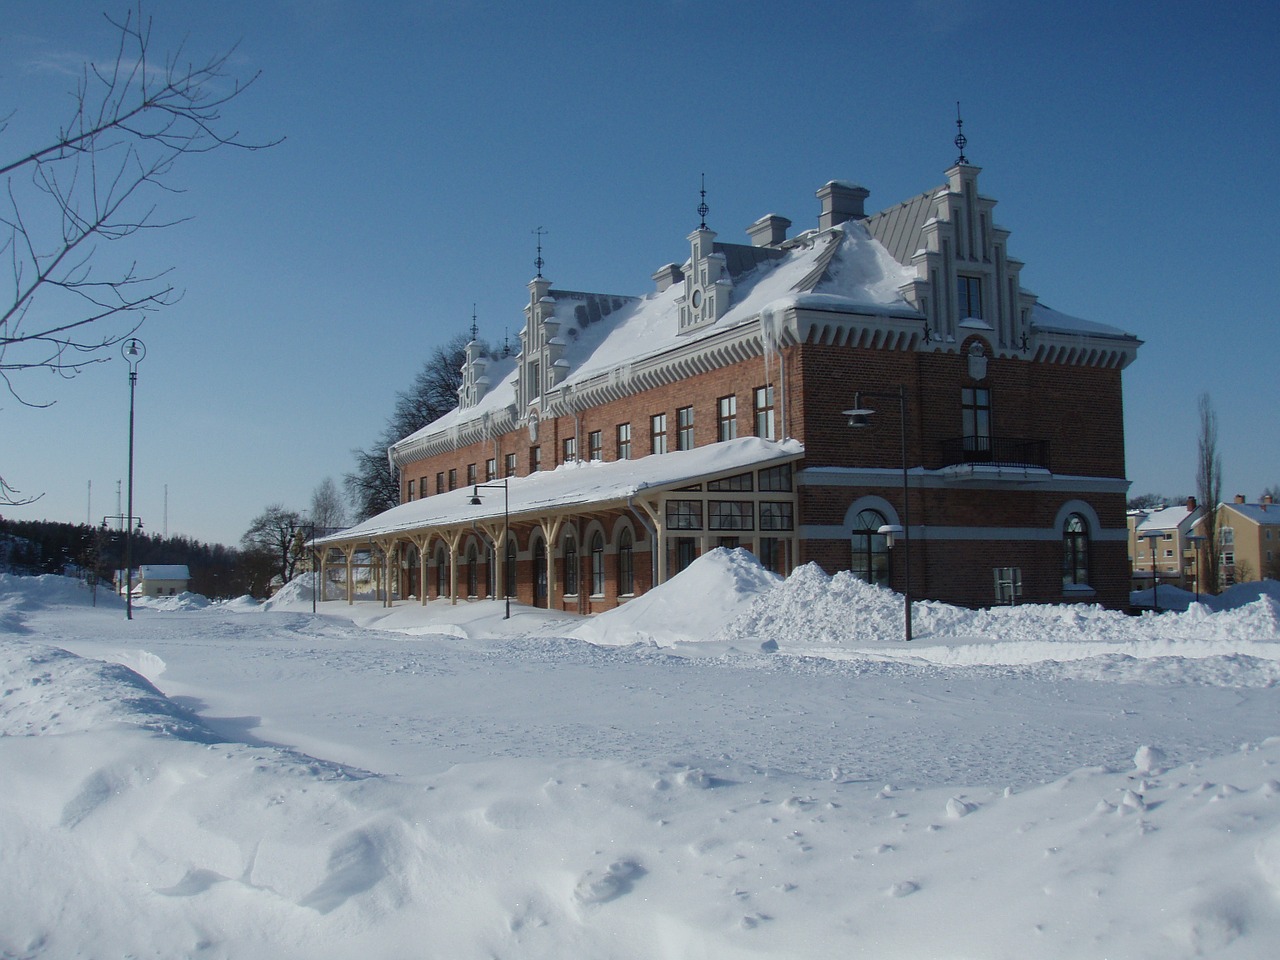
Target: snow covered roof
{"x": 596, "y": 484}
{"x": 1168, "y": 518}
{"x": 1266, "y": 514}
{"x": 1048, "y": 320}
{"x": 164, "y": 571}
{"x": 842, "y": 270}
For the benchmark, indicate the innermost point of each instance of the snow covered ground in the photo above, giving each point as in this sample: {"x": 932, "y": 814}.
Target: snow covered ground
{"x": 730, "y": 766}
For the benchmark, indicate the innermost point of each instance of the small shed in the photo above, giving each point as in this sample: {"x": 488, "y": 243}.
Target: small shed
{"x": 162, "y": 579}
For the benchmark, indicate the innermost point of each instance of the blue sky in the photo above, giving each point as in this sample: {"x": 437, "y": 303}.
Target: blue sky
{"x": 1131, "y": 149}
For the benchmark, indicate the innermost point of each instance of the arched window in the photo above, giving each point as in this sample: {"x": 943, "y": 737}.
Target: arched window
{"x": 473, "y": 574}
{"x": 597, "y": 564}
{"x": 870, "y": 549}
{"x": 1075, "y": 551}
{"x": 570, "y": 566}
{"x": 509, "y": 573}
{"x": 442, "y": 572}
{"x": 490, "y": 571}
{"x": 626, "y": 564}
{"x": 540, "y": 573}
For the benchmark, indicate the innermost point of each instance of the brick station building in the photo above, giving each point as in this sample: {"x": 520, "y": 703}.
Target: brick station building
{"x": 628, "y": 435}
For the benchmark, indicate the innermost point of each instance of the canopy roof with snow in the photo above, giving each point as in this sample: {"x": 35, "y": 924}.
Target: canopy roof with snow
{"x": 571, "y": 485}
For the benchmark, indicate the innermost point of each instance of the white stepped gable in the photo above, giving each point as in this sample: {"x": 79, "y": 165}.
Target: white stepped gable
{"x": 962, "y": 268}
{"x": 540, "y": 361}
{"x": 707, "y": 287}
{"x": 475, "y": 380}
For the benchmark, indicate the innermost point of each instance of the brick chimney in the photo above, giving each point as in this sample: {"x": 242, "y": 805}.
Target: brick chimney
{"x": 841, "y": 201}
{"x": 1267, "y": 500}
{"x": 1240, "y": 498}
{"x": 1191, "y": 504}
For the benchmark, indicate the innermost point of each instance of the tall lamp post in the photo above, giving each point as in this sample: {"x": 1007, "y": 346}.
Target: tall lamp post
{"x": 859, "y": 418}
{"x": 505, "y": 484}
{"x": 1153, "y": 539}
{"x": 133, "y": 350}
{"x": 1196, "y": 539}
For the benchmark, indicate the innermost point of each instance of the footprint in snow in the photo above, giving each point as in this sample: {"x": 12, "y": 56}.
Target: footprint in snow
{"x": 596, "y": 887}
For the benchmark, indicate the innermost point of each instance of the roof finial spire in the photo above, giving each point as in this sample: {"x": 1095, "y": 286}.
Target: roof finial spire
{"x": 539, "y": 261}
{"x": 703, "y": 209}
{"x": 960, "y": 139}
{"x": 475, "y": 331}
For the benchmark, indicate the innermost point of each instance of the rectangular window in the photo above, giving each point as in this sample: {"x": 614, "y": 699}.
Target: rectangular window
{"x": 570, "y": 449}
{"x": 776, "y": 515}
{"x": 730, "y": 515}
{"x": 453, "y": 478}
{"x": 737, "y": 483}
{"x": 1227, "y": 536}
{"x": 969, "y": 297}
{"x": 409, "y": 491}
{"x": 440, "y": 482}
{"x": 658, "y": 433}
{"x": 535, "y": 379}
{"x": 422, "y": 487}
{"x": 1168, "y": 554}
{"x": 726, "y": 418}
{"x": 509, "y": 465}
{"x": 624, "y": 441}
{"x": 471, "y": 474}
{"x": 763, "y": 404}
{"x": 684, "y": 428}
{"x": 684, "y": 514}
{"x": 975, "y": 421}
{"x": 595, "y": 446}
{"x": 535, "y": 459}
{"x": 1167, "y": 536}
{"x": 490, "y": 469}
{"x": 776, "y": 479}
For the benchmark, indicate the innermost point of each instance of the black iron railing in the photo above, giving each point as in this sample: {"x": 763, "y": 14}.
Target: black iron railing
{"x": 998, "y": 451}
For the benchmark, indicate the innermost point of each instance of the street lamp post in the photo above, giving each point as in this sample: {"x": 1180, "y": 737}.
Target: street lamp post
{"x": 859, "y": 418}
{"x": 505, "y": 484}
{"x": 133, "y": 350}
{"x": 1196, "y": 539}
{"x": 1152, "y": 540}
{"x": 119, "y": 525}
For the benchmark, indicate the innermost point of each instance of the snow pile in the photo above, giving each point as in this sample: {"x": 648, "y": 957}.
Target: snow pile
{"x": 840, "y": 616}
{"x": 178, "y": 601}
{"x": 687, "y": 608}
{"x": 298, "y": 592}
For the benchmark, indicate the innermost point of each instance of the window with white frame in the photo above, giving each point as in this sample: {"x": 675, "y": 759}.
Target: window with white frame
{"x": 658, "y": 433}
{"x": 684, "y": 428}
{"x": 762, "y": 402}
{"x": 726, "y": 418}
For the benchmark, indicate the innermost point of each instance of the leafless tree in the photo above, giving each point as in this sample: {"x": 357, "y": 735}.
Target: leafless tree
{"x": 1209, "y": 488}
{"x": 273, "y": 533}
{"x": 373, "y": 486}
{"x": 328, "y": 513}
{"x": 100, "y": 178}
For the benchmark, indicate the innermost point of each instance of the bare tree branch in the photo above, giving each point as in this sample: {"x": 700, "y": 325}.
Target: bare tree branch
{"x": 100, "y": 179}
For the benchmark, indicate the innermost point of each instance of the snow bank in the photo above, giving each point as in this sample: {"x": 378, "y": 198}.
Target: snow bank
{"x": 687, "y": 608}
{"x": 840, "y": 616}
{"x": 179, "y": 601}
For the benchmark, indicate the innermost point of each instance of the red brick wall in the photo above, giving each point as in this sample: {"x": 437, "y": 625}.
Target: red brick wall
{"x": 1077, "y": 409}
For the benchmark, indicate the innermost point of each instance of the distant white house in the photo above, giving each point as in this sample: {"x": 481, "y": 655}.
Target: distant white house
{"x": 160, "y": 580}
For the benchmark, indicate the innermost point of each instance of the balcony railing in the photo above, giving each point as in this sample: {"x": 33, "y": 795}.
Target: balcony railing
{"x": 997, "y": 451}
